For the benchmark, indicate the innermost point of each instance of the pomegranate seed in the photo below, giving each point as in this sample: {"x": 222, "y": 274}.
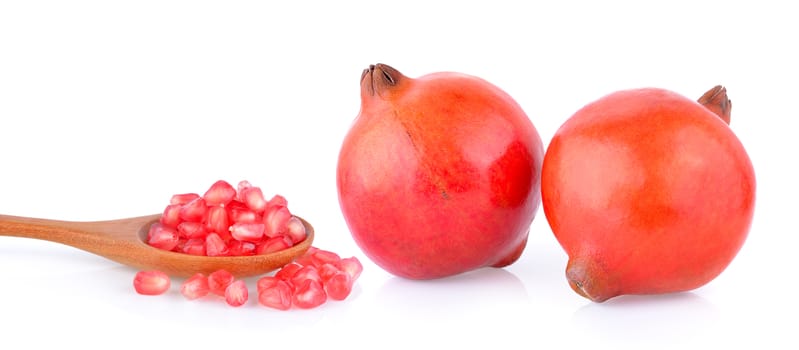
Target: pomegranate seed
{"x": 327, "y": 271}
{"x": 217, "y": 221}
{"x": 247, "y": 232}
{"x": 295, "y": 230}
{"x": 219, "y": 280}
{"x": 191, "y": 229}
{"x": 193, "y": 211}
{"x": 274, "y": 244}
{"x": 215, "y": 246}
{"x": 242, "y": 185}
{"x": 321, "y": 257}
{"x": 306, "y": 259}
{"x": 183, "y": 198}
{"x": 275, "y": 219}
{"x": 194, "y": 246}
{"x": 287, "y": 272}
{"x": 277, "y": 201}
{"x": 309, "y": 294}
{"x": 171, "y": 215}
{"x": 162, "y": 237}
{"x": 241, "y": 248}
{"x": 220, "y": 193}
{"x": 276, "y": 295}
{"x": 305, "y": 273}
{"x": 352, "y": 266}
{"x": 265, "y": 282}
{"x": 195, "y": 287}
{"x": 238, "y": 212}
{"x": 339, "y": 286}
{"x": 151, "y": 282}
{"x": 236, "y": 294}
{"x": 253, "y": 197}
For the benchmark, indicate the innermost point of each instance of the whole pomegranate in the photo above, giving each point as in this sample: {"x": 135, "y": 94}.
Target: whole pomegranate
{"x": 648, "y": 192}
{"x": 438, "y": 175}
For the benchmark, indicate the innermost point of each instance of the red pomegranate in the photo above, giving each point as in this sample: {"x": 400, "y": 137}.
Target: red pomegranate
{"x": 438, "y": 175}
{"x": 648, "y": 192}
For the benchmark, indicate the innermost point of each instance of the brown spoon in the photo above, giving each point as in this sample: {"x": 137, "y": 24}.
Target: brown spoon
{"x": 123, "y": 241}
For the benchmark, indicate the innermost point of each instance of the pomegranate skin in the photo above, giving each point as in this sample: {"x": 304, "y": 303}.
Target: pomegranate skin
{"x": 438, "y": 175}
{"x": 648, "y": 192}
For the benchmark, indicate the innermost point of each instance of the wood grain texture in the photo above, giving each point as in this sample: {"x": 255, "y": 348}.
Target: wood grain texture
{"x": 122, "y": 241}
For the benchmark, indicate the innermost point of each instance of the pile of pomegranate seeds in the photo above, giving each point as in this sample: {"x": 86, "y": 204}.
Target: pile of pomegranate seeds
{"x": 309, "y": 281}
{"x": 226, "y": 221}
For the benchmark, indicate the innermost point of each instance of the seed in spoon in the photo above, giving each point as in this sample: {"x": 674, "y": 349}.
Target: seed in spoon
{"x": 227, "y": 221}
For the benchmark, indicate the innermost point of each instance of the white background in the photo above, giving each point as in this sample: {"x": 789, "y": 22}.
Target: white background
{"x": 109, "y": 107}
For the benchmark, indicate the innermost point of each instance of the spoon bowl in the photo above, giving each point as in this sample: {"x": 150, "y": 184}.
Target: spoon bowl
{"x": 123, "y": 241}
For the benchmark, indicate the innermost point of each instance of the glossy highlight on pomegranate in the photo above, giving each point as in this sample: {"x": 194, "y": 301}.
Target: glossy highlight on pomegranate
{"x": 438, "y": 175}
{"x": 648, "y": 192}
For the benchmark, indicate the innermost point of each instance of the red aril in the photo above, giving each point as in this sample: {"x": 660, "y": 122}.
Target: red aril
{"x": 338, "y": 286}
{"x": 241, "y": 248}
{"x": 275, "y": 295}
{"x": 238, "y": 212}
{"x": 183, "y": 198}
{"x": 190, "y": 230}
{"x": 351, "y": 266}
{"x": 309, "y": 294}
{"x": 220, "y": 193}
{"x": 217, "y": 221}
{"x": 193, "y": 210}
{"x": 151, "y": 282}
{"x": 277, "y": 200}
{"x": 274, "y": 244}
{"x": 265, "y": 282}
{"x": 438, "y": 175}
{"x": 195, "y": 287}
{"x": 253, "y": 197}
{"x": 252, "y": 232}
{"x": 219, "y": 280}
{"x": 236, "y": 293}
{"x": 215, "y": 245}
{"x": 194, "y": 246}
{"x": 295, "y": 230}
{"x": 171, "y": 215}
{"x": 162, "y": 237}
{"x": 288, "y": 271}
{"x": 276, "y": 218}
{"x": 327, "y": 271}
{"x": 321, "y": 257}
{"x": 308, "y": 272}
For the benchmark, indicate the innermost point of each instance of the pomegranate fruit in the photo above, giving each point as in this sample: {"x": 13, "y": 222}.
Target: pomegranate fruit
{"x": 438, "y": 175}
{"x": 648, "y": 192}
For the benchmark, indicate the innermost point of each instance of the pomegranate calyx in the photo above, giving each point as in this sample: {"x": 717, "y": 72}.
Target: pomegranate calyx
{"x": 588, "y": 279}
{"x": 379, "y": 77}
{"x": 716, "y": 101}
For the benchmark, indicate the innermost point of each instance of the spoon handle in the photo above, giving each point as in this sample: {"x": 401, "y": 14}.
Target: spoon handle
{"x": 99, "y": 237}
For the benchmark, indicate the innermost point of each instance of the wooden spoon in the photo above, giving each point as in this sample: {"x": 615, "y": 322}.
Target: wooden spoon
{"x": 123, "y": 241}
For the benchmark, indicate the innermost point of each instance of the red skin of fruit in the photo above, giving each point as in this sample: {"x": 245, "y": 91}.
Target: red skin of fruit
{"x": 648, "y": 192}
{"x": 438, "y": 175}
